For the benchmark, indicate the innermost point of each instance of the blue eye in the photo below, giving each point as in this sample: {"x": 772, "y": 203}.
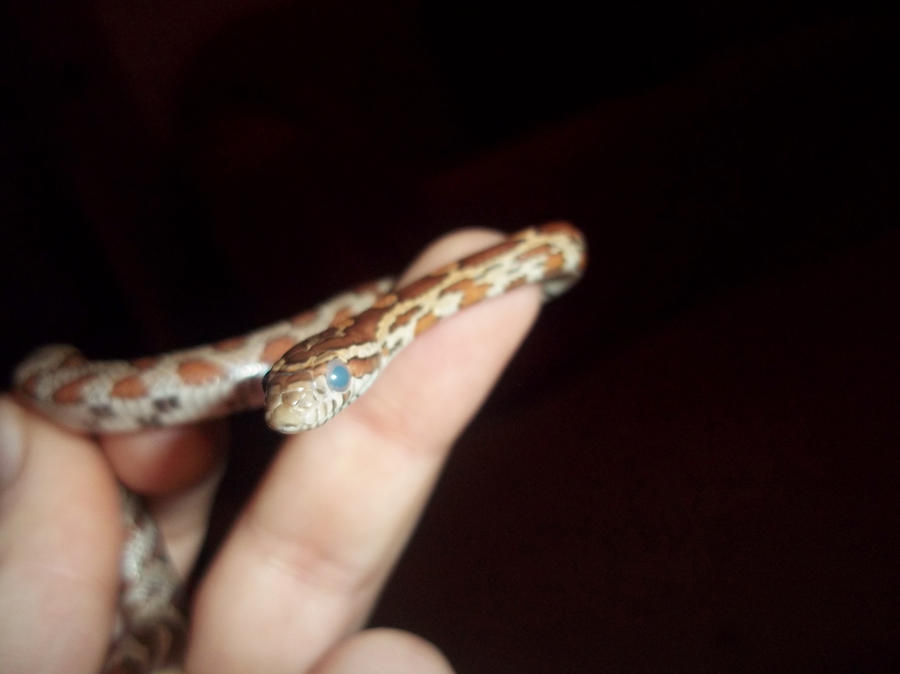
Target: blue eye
{"x": 337, "y": 376}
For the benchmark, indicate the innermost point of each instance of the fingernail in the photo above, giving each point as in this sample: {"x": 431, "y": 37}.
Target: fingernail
{"x": 10, "y": 443}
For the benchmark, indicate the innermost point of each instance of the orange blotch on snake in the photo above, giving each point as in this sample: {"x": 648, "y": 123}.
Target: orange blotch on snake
{"x": 341, "y": 316}
{"x": 489, "y": 253}
{"x": 446, "y": 269}
{"x": 553, "y": 259}
{"x": 543, "y": 249}
{"x": 357, "y": 331}
{"x": 144, "y": 363}
{"x": 129, "y": 387}
{"x": 385, "y": 301}
{"x": 471, "y": 292}
{"x": 73, "y": 360}
{"x": 29, "y": 386}
{"x": 416, "y": 288}
{"x": 425, "y": 322}
{"x": 198, "y": 372}
{"x": 368, "y": 287}
{"x": 554, "y": 263}
{"x": 516, "y": 283}
{"x": 70, "y": 393}
{"x": 231, "y": 344}
{"x": 363, "y": 366}
{"x": 303, "y": 317}
{"x": 275, "y": 349}
{"x": 560, "y": 226}
{"x": 404, "y": 318}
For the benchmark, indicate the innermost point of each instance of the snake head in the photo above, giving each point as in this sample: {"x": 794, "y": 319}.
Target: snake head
{"x": 300, "y": 397}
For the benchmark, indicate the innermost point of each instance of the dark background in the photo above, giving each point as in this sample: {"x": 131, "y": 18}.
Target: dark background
{"x": 691, "y": 465}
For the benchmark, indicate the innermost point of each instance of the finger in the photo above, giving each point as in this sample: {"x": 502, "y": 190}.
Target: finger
{"x": 60, "y": 536}
{"x": 382, "y": 650}
{"x": 177, "y": 471}
{"x": 166, "y": 460}
{"x": 316, "y": 543}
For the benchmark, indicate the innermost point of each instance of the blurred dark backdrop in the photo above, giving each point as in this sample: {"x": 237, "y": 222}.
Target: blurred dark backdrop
{"x": 691, "y": 465}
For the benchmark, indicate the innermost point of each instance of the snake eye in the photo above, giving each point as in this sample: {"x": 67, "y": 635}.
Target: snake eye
{"x": 337, "y": 376}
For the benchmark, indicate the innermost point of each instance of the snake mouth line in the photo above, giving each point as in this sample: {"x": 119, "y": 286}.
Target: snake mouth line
{"x": 301, "y": 404}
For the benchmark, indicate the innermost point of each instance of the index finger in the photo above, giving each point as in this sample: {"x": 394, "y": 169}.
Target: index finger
{"x": 316, "y": 543}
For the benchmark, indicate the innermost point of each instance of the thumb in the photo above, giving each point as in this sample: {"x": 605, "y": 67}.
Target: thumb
{"x": 59, "y": 540}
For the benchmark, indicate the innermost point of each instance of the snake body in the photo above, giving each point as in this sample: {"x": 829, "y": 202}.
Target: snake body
{"x": 311, "y": 366}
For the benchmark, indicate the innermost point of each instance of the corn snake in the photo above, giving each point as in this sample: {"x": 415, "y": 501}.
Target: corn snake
{"x": 328, "y": 357}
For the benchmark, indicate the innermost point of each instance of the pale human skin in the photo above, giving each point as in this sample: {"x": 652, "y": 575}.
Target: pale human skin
{"x": 299, "y": 573}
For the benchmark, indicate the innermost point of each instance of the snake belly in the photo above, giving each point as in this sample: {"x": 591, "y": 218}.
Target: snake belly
{"x": 311, "y": 366}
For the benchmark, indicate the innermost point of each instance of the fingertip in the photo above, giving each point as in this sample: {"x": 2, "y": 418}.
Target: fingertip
{"x": 459, "y": 358}
{"x": 164, "y": 460}
{"x": 447, "y": 248}
{"x": 384, "y": 650}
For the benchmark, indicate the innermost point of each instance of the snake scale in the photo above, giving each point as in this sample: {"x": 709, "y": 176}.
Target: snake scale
{"x": 310, "y": 366}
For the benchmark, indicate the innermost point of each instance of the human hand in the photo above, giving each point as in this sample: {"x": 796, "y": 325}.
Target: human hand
{"x": 296, "y": 579}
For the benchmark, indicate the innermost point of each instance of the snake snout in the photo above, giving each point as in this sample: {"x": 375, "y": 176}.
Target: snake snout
{"x": 299, "y": 401}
